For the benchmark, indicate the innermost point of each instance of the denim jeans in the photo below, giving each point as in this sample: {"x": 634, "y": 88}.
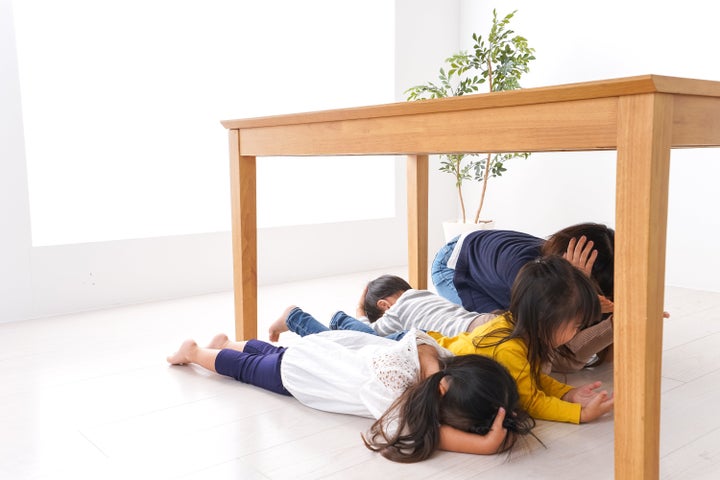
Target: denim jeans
{"x": 343, "y": 321}
{"x": 303, "y": 323}
{"x": 442, "y": 275}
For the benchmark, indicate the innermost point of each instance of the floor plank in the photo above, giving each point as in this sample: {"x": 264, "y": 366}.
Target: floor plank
{"x": 91, "y": 396}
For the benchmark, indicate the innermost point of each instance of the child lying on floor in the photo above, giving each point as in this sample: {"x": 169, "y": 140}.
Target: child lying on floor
{"x": 423, "y": 397}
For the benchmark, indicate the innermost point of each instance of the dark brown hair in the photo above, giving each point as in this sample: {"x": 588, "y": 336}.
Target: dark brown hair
{"x": 547, "y": 293}
{"x": 379, "y": 288}
{"x": 603, "y": 239}
{"x": 477, "y": 387}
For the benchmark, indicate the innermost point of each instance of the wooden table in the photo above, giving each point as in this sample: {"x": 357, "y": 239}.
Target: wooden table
{"x": 640, "y": 117}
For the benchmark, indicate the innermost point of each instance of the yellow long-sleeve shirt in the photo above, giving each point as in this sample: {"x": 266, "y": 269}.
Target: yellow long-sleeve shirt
{"x": 542, "y": 401}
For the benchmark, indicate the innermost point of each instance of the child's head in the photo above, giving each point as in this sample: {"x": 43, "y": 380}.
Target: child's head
{"x": 475, "y": 387}
{"x": 381, "y": 289}
{"x": 550, "y": 301}
{"x": 603, "y": 239}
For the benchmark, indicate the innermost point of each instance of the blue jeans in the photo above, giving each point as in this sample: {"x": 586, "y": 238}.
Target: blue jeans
{"x": 343, "y": 321}
{"x": 442, "y": 275}
{"x": 303, "y": 323}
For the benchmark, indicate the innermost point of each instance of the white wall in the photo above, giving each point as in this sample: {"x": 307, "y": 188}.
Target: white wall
{"x": 427, "y": 32}
{"x": 575, "y": 41}
{"x": 15, "y": 291}
{"x": 43, "y": 281}
{"x": 584, "y": 41}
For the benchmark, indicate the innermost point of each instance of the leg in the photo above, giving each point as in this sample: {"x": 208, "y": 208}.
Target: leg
{"x": 645, "y": 124}
{"x": 343, "y": 321}
{"x": 280, "y": 325}
{"x": 417, "y": 218}
{"x": 442, "y": 275}
{"x": 244, "y": 238}
{"x": 221, "y": 341}
{"x": 189, "y": 352}
{"x": 303, "y": 323}
{"x": 259, "y": 365}
{"x": 397, "y": 335}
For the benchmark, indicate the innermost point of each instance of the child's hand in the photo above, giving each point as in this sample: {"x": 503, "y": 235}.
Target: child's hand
{"x": 601, "y": 404}
{"x": 606, "y": 305}
{"x": 581, "y": 254}
{"x": 583, "y": 395}
{"x": 454, "y": 440}
{"x": 496, "y": 436}
{"x": 593, "y": 403}
{"x": 665, "y": 315}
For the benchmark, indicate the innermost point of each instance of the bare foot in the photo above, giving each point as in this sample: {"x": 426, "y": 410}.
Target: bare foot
{"x": 280, "y": 325}
{"x": 219, "y": 341}
{"x": 184, "y": 353}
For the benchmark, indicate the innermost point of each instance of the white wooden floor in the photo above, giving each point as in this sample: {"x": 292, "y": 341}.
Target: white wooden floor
{"x": 90, "y": 396}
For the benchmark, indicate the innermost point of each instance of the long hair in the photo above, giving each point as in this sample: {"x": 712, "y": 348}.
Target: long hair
{"x": 379, "y": 288}
{"x": 547, "y": 294}
{"x": 603, "y": 239}
{"x": 477, "y": 387}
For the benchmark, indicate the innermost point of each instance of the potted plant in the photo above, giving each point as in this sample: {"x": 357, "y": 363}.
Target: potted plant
{"x": 498, "y": 64}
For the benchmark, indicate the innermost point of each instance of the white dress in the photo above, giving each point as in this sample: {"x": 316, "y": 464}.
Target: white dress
{"x": 351, "y": 372}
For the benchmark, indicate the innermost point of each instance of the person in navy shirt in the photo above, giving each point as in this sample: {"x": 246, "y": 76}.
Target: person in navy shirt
{"x": 477, "y": 271}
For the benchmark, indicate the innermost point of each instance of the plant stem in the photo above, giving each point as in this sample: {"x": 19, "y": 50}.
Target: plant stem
{"x": 455, "y": 161}
{"x": 462, "y": 203}
{"x": 484, "y": 188}
{"x": 486, "y": 175}
{"x": 490, "y": 74}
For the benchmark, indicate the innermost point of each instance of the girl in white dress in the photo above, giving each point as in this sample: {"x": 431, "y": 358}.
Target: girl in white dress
{"x": 424, "y": 398}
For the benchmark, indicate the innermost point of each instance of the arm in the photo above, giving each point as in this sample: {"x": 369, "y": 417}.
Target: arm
{"x": 429, "y": 360}
{"x": 594, "y": 404}
{"x": 584, "y": 345}
{"x": 542, "y": 402}
{"x": 454, "y": 440}
{"x": 581, "y": 254}
{"x": 590, "y": 403}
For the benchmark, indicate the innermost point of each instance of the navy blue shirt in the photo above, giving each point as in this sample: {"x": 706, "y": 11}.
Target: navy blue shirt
{"x": 488, "y": 263}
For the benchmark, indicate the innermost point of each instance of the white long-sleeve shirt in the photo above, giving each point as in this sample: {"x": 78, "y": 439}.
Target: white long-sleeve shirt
{"x": 424, "y": 310}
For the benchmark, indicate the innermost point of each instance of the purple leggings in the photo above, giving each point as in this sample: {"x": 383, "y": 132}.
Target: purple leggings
{"x": 258, "y": 364}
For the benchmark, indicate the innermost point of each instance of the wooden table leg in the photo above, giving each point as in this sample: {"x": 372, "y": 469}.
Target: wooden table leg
{"x": 244, "y": 239}
{"x": 643, "y": 164}
{"x": 417, "y": 199}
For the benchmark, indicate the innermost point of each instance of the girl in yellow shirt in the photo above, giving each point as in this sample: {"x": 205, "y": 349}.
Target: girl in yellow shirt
{"x": 550, "y": 302}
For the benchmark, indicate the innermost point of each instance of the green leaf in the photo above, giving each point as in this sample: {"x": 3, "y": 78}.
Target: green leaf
{"x": 497, "y": 60}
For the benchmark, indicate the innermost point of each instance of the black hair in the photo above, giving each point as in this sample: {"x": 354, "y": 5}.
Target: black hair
{"x": 547, "y": 293}
{"x": 603, "y": 238}
{"x": 477, "y": 387}
{"x": 379, "y": 288}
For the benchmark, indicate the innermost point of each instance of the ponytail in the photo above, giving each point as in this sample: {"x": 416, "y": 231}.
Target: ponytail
{"x": 410, "y": 430}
